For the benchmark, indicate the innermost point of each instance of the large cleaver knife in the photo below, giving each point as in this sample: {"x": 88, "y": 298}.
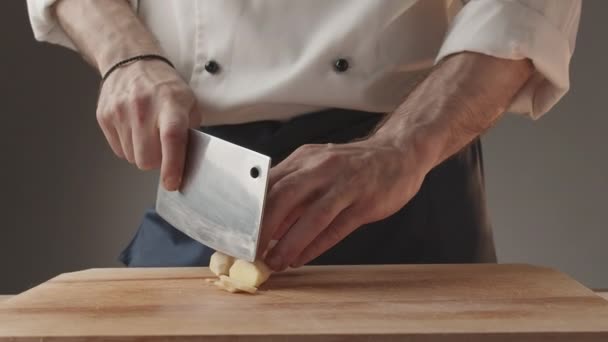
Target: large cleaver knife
{"x": 221, "y": 199}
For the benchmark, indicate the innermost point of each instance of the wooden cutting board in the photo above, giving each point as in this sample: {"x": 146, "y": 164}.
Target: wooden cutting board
{"x": 332, "y": 303}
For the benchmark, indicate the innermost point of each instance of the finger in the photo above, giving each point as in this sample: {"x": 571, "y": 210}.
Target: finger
{"x": 196, "y": 116}
{"x": 314, "y": 221}
{"x": 280, "y": 171}
{"x": 112, "y": 138}
{"x": 289, "y": 165}
{"x": 146, "y": 148}
{"x": 291, "y": 192}
{"x": 280, "y": 230}
{"x": 344, "y": 224}
{"x": 288, "y": 222}
{"x": 174, "y": 140}
{"x": 118, "y": 120}
{"x": 146, "y": 140}
{"x": 126, "y": 142}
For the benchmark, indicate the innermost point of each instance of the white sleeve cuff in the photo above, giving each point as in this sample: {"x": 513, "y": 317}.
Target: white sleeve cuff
{"x": 544, "y": 32}
{"x": 45, "y": 26}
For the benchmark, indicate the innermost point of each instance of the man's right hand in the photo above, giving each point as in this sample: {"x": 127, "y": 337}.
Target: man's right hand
{"x": 145, "y": 110}
{"x": 145, "y": 107}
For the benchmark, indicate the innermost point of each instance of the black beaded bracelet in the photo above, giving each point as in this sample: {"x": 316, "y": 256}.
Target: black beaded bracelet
{"x": 135, "y": 59}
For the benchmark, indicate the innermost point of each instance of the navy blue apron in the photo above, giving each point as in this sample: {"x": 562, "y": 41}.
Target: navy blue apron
{"x": 446, "y": 222}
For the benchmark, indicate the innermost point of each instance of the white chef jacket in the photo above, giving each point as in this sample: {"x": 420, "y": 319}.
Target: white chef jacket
{"x": 278, "y": 59}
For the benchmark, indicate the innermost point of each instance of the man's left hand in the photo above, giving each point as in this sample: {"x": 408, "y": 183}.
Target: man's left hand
{"x": 322, "y": 193}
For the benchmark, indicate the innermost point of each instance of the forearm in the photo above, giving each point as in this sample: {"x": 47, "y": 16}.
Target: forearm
{"x": 104, "y": 31}
{"x": 457, "y": 102}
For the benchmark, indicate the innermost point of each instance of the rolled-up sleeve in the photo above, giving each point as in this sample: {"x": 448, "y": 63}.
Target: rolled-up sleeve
{"x": 543, "y": 31}
{"x": 44, "y": 23}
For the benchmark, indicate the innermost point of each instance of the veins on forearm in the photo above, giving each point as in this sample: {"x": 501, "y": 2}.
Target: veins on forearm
{"x": 459, "y": 100}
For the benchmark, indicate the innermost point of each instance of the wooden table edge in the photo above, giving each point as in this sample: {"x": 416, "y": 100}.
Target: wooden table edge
{"x": 600, "y": 292}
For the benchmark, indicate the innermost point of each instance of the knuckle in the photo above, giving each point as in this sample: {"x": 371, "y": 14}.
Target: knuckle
{"x": 140, "y": 100}
{"x": 140, "y": 116}
{"x": 358, "y": 215}
{"x": 105, "y": 114}
{"x": 285, "y": 188}
{"x": 379, "y": 211}
{"x": 118, "y": 112}
{"x": 103, "y": 118}
{"x": 173, "y": 133}
{"x": 148, "y": 164}
{"x": 148, "y": 159}
{"x": 322, "y": 215}
{"x": 330, "y": 160}
{"x": 333, "y": 235}
{"x": 304, "y": 149}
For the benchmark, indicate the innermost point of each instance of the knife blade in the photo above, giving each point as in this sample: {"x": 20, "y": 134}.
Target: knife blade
{"x": 221, "y": 199}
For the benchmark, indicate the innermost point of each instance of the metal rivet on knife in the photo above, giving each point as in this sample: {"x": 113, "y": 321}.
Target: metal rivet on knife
{"x": 254, "y": 172}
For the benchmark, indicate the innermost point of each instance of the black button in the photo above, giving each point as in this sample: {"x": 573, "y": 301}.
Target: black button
{"x": 341, "y": 65}
{"x": 212, "y": 67}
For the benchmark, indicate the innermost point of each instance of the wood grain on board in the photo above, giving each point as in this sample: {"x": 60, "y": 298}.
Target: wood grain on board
{"x": 323, "y": 303}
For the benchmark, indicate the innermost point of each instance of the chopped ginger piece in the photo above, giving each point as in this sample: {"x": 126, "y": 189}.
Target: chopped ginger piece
{"x": 233, "y": 285}
{"x": 237, "y": 275}
{"x": 250, "y": 274}
{"x": 220, "y": 263}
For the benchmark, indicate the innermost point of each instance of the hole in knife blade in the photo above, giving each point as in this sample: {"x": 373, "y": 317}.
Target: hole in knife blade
{"x": 254, "y": 172}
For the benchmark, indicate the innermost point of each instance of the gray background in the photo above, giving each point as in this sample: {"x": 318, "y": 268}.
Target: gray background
{"x": 68, "y": 203}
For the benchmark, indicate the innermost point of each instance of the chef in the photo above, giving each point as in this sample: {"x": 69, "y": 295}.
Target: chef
{"x": 372, "y": 111}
